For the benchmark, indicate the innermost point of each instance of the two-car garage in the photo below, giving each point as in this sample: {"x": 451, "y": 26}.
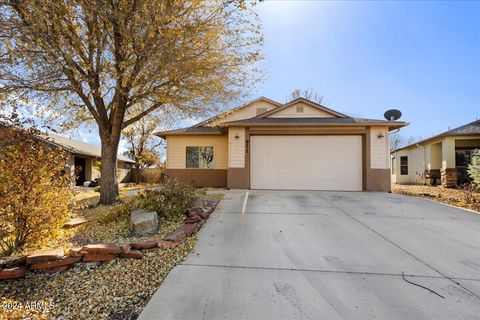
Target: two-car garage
{"x": 306, "y": 162}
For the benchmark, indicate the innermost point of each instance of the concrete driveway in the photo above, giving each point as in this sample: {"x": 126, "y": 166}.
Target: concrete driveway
{"x": 327, "y": 255}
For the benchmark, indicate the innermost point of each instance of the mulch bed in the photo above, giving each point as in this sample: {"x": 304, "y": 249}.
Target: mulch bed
{"x": 451, "y": 196}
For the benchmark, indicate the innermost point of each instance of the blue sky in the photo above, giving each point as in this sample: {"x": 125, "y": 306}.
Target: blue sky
{"x": 366, "y": 57}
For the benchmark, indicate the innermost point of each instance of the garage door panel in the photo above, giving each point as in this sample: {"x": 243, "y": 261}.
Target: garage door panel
{"x": 306, "y": 162}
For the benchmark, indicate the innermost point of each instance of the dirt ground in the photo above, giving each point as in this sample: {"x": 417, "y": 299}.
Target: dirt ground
{"x": 453, "y": 196}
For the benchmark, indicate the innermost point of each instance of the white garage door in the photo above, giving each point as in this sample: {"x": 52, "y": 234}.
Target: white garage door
{"x": 306, "y": 162}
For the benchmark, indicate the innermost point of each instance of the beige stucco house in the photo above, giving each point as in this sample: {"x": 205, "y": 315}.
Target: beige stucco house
{"x": 442, "y": 158}
{"x": 300, "y": 145}
{"x": 84, "y": 160}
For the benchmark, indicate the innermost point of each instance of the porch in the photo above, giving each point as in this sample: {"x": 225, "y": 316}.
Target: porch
{"x": 447, "y": 159}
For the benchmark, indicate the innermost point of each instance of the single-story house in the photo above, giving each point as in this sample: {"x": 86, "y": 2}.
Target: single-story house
{"x": 299, "y": 145}
{"x": 85, "y": 159}
{"x": 442, "y": 158}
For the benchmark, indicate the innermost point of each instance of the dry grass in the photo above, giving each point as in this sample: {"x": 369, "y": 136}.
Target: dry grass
{"x": 456, "y": 197}
{"x": 115, "y": 290}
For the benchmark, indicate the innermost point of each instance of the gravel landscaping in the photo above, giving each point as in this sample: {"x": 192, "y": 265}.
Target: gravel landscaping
{"x": 453, "y": 196}
{"x": 116, "y": 289}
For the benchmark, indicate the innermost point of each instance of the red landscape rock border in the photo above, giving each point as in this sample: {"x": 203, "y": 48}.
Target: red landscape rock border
{"x": 54, "y": 261}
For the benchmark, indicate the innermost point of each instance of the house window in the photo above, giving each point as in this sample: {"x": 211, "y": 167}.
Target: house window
{"x": 404, "y": 165}
{"x": 299, "y": 109}
{"x": 393, "y": 166}
{"x": 261, "y": 110}
{"x": 200, "y": 157}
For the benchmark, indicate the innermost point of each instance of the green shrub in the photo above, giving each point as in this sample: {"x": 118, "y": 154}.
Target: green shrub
{"x": 172, "y": 199}
{"x": 474, "y": 167}
{"x": 35, "y": 191}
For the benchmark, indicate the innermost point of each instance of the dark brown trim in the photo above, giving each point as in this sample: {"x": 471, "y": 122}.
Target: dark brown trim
{"x": 365, "y": 155}
{"x": 200, "y": 177}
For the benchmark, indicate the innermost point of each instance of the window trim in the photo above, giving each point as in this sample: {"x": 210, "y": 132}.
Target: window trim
{"x": 403, "y": 166}
{"x": 200, "y": 146}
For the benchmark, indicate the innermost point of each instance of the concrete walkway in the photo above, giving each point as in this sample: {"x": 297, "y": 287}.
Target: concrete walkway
{"x": 327, "y": 255}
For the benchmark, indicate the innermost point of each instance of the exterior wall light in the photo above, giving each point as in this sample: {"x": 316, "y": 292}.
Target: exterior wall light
{"x": 380, "y": 135}
{"x": 237, "y": 136}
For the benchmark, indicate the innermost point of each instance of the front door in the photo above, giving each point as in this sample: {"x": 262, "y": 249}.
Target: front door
{"x": 79, "y": 171}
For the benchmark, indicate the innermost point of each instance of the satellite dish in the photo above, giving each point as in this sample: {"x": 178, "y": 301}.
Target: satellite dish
{"x": 392, "y": 114}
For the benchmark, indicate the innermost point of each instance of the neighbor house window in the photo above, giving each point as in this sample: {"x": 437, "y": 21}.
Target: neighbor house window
{"x": 394, "y": 169}
{"x": 299, "y": 109}
{"x": 200, "y": 157}
{"x": 261, "y": 110}
{"x": 404, "y": 165}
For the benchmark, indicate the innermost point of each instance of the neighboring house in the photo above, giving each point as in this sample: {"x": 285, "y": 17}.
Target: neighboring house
{"x": 443, "y": 157}
{"x": 85, "y": 158}
{"x": 300, "y": 145}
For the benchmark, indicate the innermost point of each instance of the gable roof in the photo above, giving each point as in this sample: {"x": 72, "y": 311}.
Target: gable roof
{"x": 262, "y": 119}
{"x": 312, "y": 121}
{"x": 230, "y": 111}
{"x": 79, "y": 147}
{"x": 472, "y": 128}
{"x": 308, "y": 102}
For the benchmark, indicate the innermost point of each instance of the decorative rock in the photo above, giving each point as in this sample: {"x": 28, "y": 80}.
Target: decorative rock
{"x": 67, "y": 261}
{"x": 13, "y": 262}
{"x": 135, "y": 254}
{"x": 202, "y": 212}
{"x": 144, "y": 245}
{"x": 143, "y": 222}
{"x": 92, "y": 257}
{"x": 45, "y": 256}
{"x": 101, "y": 249}
{"x": 177, "y": 235}
{"x": 75, "y": 222}
{"x": 74, "y": 252}
{"x": 13, "y": 273}
{"x": 167, "y": 244}
{"x": 189, "y": 229}
{"x": 193, "y": 218}
{"x": 212, "y": 203}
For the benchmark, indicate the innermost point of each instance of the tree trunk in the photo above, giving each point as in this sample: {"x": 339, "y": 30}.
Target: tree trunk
{"x": 108, "y": 180}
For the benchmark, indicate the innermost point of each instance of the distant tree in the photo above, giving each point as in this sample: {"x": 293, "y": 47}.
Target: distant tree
{"x": 142, "y": 145}
{"x": 397, "y": 140}
{"x": 309, "y": 94}
{"x": 113, "y": 62}
{"x": 474, "y": 167}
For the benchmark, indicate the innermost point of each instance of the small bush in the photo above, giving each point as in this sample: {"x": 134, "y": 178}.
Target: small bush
{"x": 35, "y": 191}
{"x": 172, "y": 199}
{"x": 474, "y": 167}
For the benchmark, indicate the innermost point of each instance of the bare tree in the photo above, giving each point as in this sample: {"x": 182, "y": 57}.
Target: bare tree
{"x": 112, "y": 62}
{"x": 309, "y": 94}
{"x": 397, "y": 140}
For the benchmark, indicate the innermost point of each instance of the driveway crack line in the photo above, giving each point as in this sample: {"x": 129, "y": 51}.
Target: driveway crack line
{"x": 322, "y": 271}
{"x": 403, "y": 249}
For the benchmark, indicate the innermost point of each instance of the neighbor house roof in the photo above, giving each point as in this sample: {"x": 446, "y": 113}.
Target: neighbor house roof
{"x": 472, "y": 128}
{"x": 80, "y": 148}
